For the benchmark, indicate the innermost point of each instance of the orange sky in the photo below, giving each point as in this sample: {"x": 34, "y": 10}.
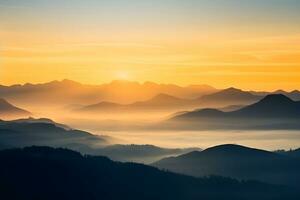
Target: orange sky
{"x": 241, "y": 46}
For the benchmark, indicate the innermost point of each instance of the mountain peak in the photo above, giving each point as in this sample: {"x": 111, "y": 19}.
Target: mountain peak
{"x": 7, "y": 109}
{"x": 295, "y": 92}
{"x": 276, "y": 99}
{"x": 228, "y": 148}
{"x": 273, "y": 105}
{"x": 164, "y": 97}
{"x": 232, "y": 89}
{"x": 3, "y": 101}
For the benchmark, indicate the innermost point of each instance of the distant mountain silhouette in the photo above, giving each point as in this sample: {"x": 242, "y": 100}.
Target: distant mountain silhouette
{"x": 227, "y": 97}
{"x": 157, "y": 103}
{"x": 275, "y": 111}
{"x": 46, "y": 173}
{"x": 70, "y": 92}
{"x": 101, "y": 107}
{"x": 8, "y": 110}
{"x": 21, "y": 133}
{"x": 237, "y": 162}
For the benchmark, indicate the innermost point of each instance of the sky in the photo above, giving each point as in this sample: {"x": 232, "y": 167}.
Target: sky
{"x": 247, "y": 44}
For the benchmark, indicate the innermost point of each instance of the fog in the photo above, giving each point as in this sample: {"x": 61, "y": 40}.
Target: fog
{"x": 131, "y": 128}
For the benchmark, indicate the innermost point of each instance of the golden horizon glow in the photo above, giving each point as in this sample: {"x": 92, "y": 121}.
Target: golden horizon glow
{"x": 177, "y": 42}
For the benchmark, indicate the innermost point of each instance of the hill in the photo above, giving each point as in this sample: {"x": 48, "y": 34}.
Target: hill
{"x": 21, "y": 133}
{"x": 274, "y": 111}
{"x": 46, "y": 173}
{"x": 228, "y": 97}
{"x": 237, "y": 162}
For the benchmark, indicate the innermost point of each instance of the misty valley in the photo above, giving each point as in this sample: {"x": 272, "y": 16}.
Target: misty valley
{"x": 160, "y": 142}
{"x": 150, "y": 100}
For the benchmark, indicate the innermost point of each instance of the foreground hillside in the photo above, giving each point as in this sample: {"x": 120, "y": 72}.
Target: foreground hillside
{"x": 47, "y": 173}
{"x": 237, "y": 162}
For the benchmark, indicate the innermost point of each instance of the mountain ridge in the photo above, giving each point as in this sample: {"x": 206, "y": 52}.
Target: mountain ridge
{"x": 8, "y": 110}
{"x": 236, "y": 161}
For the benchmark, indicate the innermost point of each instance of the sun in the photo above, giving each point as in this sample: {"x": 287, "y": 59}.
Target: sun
{"x": 122, "y": 75}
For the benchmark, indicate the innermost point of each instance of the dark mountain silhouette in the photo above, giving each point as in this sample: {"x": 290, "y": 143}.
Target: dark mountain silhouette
{"x": 275, "y": 111}
{"x": 237, "y": 162}
{"x": 46, "y": 173}
{"x": 21, "y": 133}
{"x": 272, "y": 106}
{"x": 294, "y": 95}
{"x": 229, "y": 96}
{"x": 8, "y": 110}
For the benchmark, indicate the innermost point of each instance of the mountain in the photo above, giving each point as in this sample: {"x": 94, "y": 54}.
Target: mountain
{"x": 48, "y": 93}
{"x": 237, "y": 162}
{"x": 68, "y": 92}
{"x": 227, "y": 97}
{"x": 21, "y": 133}
{"x": 272, "y": 106}
{"x": 159, "y": 102}
{"x": 294, "y": 95}
{"x": 8, "y": 110}
{"x": 275, "y": 111}
{"x": 47, "y": 173}
{"x": 32, "y": 120}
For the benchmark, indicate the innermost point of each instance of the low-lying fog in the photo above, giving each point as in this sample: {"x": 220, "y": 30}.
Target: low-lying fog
{"x": 126, "y": 128}
{"x": 269, "y": 140}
